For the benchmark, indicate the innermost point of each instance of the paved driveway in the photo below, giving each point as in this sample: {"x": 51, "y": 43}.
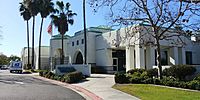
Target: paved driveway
{"x": 24, "y": 87}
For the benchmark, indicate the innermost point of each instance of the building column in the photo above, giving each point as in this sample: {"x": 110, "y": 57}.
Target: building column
{"x": 150, "y": 57}
{"x": 173, "y": 56}
{"x": 140, "y": 61}
{"x": 183, "y": 57}
{"x": 129, "y": 57}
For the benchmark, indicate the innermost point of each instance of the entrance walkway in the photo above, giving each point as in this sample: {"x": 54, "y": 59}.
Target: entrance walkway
{"x": 101, "y": 85}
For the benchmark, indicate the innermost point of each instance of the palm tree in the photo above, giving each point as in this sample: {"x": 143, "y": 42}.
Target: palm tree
{"x": 33, "y": 7}
{"x": 26, "y": 16}
{"x": 45, "y": 8}
{"x": 61, "y": 19}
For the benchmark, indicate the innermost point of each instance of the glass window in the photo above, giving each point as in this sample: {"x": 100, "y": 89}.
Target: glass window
{"x": 82, "y": 41}
{"x": 72, "y": 43}
{"x": 164, "y": 57}
{"x": 77, "y": 42}
{"x": 188, "y": 55}
{"x": 164, "y": 60}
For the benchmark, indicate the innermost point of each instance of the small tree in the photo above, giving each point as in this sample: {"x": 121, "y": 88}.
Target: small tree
{"x": 160, "y": 15}
{"x": 3, "y": 59}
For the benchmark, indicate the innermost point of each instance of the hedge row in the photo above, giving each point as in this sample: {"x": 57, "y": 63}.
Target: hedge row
{"x": 71, "y": 77}
{"x": 141, "y": 76}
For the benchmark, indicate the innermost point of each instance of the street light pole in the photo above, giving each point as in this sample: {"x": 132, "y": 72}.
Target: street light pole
{"x": 85, "y": 33}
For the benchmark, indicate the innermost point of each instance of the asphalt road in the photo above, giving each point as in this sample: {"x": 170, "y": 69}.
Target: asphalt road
{"x": 26, "y": 87}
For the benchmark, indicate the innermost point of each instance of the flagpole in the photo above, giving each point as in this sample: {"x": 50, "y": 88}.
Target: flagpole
{"x": 85, "y": 33}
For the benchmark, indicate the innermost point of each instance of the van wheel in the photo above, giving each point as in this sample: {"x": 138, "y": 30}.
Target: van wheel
{"x": 11, "y": 71}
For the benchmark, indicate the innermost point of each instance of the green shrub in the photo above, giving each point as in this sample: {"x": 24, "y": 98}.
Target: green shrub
{"x": 43, "y": 73}
{"x": 183, "y": 84}
{"x": 135, "y": 70}
{"x": 169, "y": 81}
{"x": 73, "y": 77}
{"x": 194, "y": 84}
{"x": 156, "y": 81}
{"x": 121, "y": 77}
{"x": 152, "y": 72}
{"x": 52, "y": 76}
{"x": 179, "y": 71}
{"x": 197, "y": 78}
{"x": 49, "y": 74}
{"x": 148, "y": 81}
{"x": 167, "y": 72}
{"x": 138, "y": 77}
{"x": 135, "y": 78}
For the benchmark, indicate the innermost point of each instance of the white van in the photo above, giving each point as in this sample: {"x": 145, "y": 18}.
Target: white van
{"x": 16, "y": 66}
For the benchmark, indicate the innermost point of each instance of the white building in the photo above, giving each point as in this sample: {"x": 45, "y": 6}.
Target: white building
{"x": 24, "y": 56}
{"x": 115, "y": 50}
{"x": 44, "y": 57}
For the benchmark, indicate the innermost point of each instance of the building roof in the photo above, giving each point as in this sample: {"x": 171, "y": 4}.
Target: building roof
{"x": 99, "y": 29}
{"x": 58, "y": 36}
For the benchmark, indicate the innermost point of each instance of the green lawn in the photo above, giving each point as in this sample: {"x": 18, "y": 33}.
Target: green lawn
{"x": 149, "y": 92}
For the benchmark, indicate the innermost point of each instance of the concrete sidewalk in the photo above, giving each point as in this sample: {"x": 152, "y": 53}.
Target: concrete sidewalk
{"x": 101, "y": 85}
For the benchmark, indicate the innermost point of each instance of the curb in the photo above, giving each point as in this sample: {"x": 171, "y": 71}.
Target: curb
{"x": 77, "y": 88}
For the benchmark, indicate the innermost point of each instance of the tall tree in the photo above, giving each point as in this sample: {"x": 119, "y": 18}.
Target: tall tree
{"x": 160, "y": 15}
{"x": 3, "y": 59}
{"x": 45, "y": 8}
{"x": 33, "y": 7}
{"x": 26, "y": 16}
{"x": 13, "y": 58}
{"x": 61, "y": 19}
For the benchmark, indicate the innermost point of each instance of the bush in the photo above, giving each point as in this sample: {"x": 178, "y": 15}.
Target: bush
{"x": 121, "y": 77}
{"x": 135, "y": 77}
{"x": 168, "y": 72}
{"x": 148, "y": 81}
{"x": 169, "y": 81}
{"x": 43, "y": 73}
{"x": 179, "y": 71}
{"x": 135, "y": 70}
{"x": 49, "y": 74}
{"x": 152, "y": 72}
{"x": 197, "y": 78}
{"x": 194, "y": 84}
{"x": 156, "y": 81}
{"x": 138, "y": 77}
{"x": 183, "y": 84}
{"x": 73, "y": 77}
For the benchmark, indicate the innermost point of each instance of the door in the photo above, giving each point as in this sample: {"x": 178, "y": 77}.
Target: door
{"x": 115, "y": 64}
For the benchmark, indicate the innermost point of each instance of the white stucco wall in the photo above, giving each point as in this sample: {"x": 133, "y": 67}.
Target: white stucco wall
{"x": 100, "y": 46}
{"x": 24, "y": 56}
{"x": 44, "y": 57}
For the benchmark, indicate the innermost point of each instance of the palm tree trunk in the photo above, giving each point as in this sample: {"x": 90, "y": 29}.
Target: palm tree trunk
{"x": 85, "y": 34}
{"x": 33, "y": 27}
{"x": 27, "y": 24}
{"x": 40, "y": 38}
{"x": 62, "y": 50}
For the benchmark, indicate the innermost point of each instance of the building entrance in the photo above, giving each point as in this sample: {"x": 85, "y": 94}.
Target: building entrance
{"x": 119, "y": 60}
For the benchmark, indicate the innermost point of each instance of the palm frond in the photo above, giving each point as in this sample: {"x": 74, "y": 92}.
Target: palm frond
{"x": 71, "y": 21}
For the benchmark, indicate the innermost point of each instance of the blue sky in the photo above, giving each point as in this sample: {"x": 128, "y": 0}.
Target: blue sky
{"x": 14, "y": 27}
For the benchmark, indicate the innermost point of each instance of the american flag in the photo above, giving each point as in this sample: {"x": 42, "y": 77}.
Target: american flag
{"x": 49, "y": 29}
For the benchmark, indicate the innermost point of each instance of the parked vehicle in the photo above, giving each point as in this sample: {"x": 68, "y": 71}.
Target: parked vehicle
{"x": 16, "y": 66}
{"x": 4, "y": 67}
